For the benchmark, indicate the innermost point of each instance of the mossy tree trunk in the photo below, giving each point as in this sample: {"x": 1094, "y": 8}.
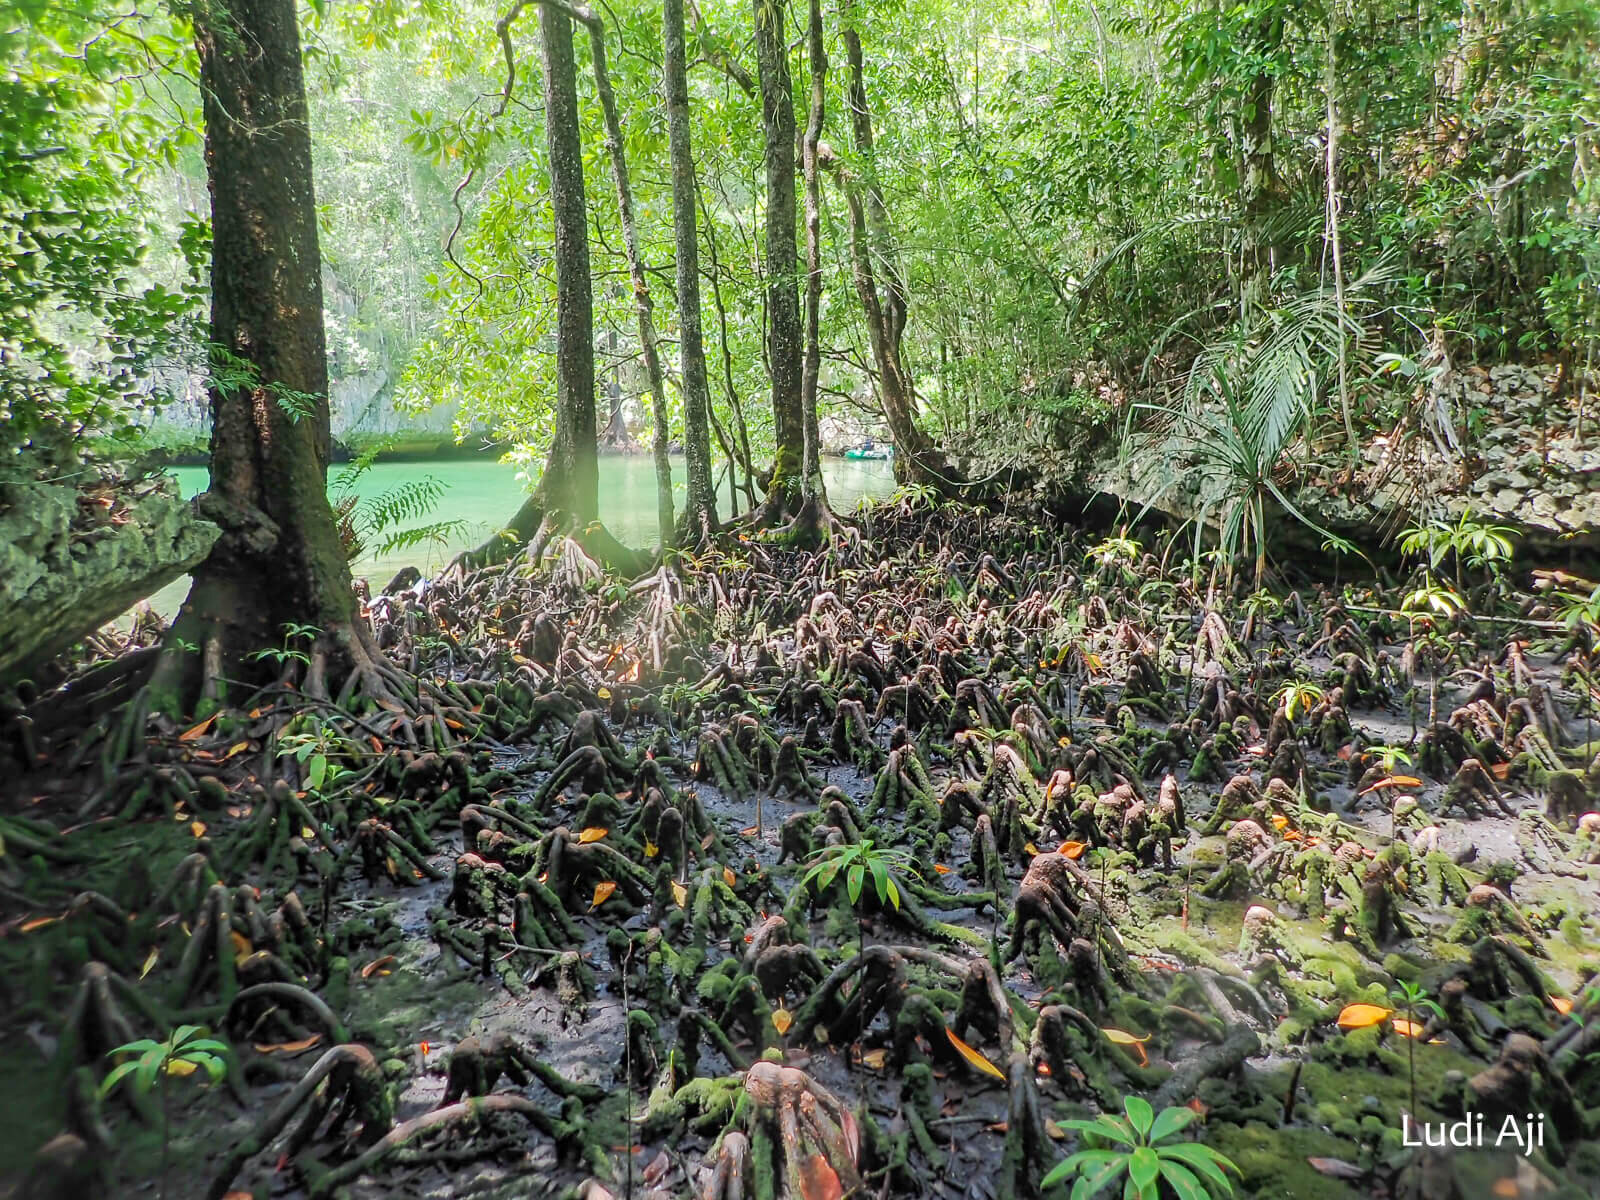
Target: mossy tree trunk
{"x": 280, "y": 562}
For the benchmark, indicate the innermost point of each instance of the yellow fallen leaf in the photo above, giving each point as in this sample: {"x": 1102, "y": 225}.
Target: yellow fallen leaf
{"x": 307, "y": 832}
{"x": 1072, "y": 849}
{"x": 651, "y": 849}
{"x": 1031, "y": 848}
{"x": 592, "y": 834}
{"x": 782, "y": 1018}
{"x": 1280, "y": 822}
{"x": 1123, "y": 1038}
{"x": 728, "y": 877}
{"x": 680, "y": 893}
{"x": 150, "y": 961}
{"x": 875, "y": 1059}
{"x": 1360, "y": 1016}
{"x": 603, "y": 693}
{"x": 973, "y": 1057}
{"x": 602, "y": 892}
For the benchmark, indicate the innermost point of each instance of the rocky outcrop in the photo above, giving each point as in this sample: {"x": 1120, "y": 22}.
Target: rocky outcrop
{"x": 71, "y": 560}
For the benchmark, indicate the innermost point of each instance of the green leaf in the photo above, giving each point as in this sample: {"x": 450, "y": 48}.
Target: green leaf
{"x": 853, "y": 881}
{"x": 1140, "y": 1114}
{"x": 1183, "y": 1181}
{"x": 880, "y": 880}
{"x": 116, "y": 1076}
{"x": 1097, "y": 1179}
{"x": 139, "y": 1047}
{"x": 1203, "y": 1159}
{"x": 1171, "y": 1121}
{"x": 1144, "y": 1169}
{"x": 148, "y": 1067}
{"x": 1107, "y": 1127}
{"x": 316, "y": 772}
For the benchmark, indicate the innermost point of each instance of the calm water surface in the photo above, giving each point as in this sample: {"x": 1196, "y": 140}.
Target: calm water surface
{"x": 483, "y": 495}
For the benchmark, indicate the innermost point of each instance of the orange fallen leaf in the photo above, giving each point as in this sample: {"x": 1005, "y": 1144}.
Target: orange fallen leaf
{"x": 1360, "y": 1016}
{"x": 423, "y": 1046}
{"x": 1280, "y": 822}
{"x": 377, "y": 964}
{"x": 602, "y": 892}
{"x": 241, "y": 944}
{"x": 973, "y": 1057}
{"x": 728, "y": 877}
{"x": 750, "y": 831}
{"x": 1506, "y": 1187}
{"x": 1043, "y": 1069}
{"x": 782, "y": 1018}
{"x": 289, "y": 1047}
{"x": 819, "y": 1181}
{"x": 1198, "y": 1106}
{"x": 1561, "y": 1004}
{"x": 33, "y": 923}
{"x": 1502, "y": 772}
{"x": 941, "y": 868}
{"x": 1406, "y": 1027}
{"x": 1072, "y": 849}
{"x": 197, "y": 731}
{"x": 198, "y": 828}
{"x": 592, "y": 834}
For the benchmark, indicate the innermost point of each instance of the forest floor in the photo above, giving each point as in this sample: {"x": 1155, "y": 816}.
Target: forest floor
{"x": 1203, "y": 851}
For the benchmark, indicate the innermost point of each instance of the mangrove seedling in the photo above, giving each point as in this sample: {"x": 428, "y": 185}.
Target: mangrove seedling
{"x": 1137, "y": 1155}
{"x": 1413, "y": 998}
{"x": 148, "y": 1063}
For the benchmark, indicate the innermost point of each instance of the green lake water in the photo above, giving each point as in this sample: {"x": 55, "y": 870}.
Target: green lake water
{"x": 484, "y": 495}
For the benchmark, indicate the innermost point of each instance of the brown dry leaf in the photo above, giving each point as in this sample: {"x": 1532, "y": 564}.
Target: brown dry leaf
{"x": 592, "y": 834}
{"x": 288, "y": 1047}
{"x": 602, "y": 892}
{"x": 1360, "y": 1016}
{"x": 976, "y": 1059}
{"x": 1053, "y": 1131}
{"x": 782, "y": 1018}
{"x": 750, "y": 831}
{"x": 705, "y": 842}
{"x": 875, "y": 1059}
{"x": 1335, "y": 1168}
{"x": 819, "y": 1181}
{"x": 377, "y": 964}
{"x": 1072, "y": 849}
{"x": 728, "y": 877}
{"x": 657, "y": 1169}
{"x": 680, "y": 894}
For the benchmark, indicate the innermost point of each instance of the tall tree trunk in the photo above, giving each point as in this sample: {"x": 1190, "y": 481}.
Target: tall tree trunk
{"x": 568, "y": 496}
{"x": 812, "y": 490}
{"x": 279, "y": 571}
{"x": 700, "y": 518}
{"x": 784, "y": 334}
{"x": 1260, "y": 166}
{"x": 872, "y": 245}
{"x": 571, "y": 480}
{"x": 644, "y": 306}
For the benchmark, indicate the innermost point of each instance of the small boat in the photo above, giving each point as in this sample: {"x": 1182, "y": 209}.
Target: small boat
{"x": 869, "y": 450}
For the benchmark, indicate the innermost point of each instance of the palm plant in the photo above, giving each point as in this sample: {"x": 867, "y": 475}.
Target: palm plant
{"x": 1139, "y": 1152}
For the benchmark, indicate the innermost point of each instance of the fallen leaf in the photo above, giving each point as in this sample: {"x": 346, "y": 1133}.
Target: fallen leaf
{"x": 198, "y": 828}
{"x": 750, "y": 831}
{"x": 197, "y": 731}
{"x": 1031, "y": 848}
{"x": 33, "y": 923}
{"x": 653, "y": 1174}
{"x": 1072, "y": 849}
{"x": 1198, "y": 1106}
{"x": 603, "y": 693}
{"x": 238, "y": 1195}
{"x": 680, "y": 894}
{"x": 1506, "y": 1187}
{"x": 1122, "y": 1037}
{"x": 307, "y": 832}
{"x": 1406, "y": 1027}
{"x": 288, "y": 1047}
{"x": 423, "y": 1047}
{"x": 651, "y": 849}
{"x": 1336, "y": 1168}
{"x": 1053, "y": 1131}
{"x": 1502, "y": 772}
{"x": 819, "y": 1181}
{"x": 728, "y": 877}
{"x": 875, "y": 1059}
{"x": 1561, "y": 1004}
{"x": 1360, "y": 1016}
{"x": 376, "y": 964}
{"x": 782, "y": 1018}
{"x": 592, "y": 834}
{"x": 602, "y": 892}
{"x": 1280, "y": 822}
{"x": 150, "y": 961}
{"x": 973, "y": 1057}
{"x": 941, "y": 868}
{"x": 241, "y": 945}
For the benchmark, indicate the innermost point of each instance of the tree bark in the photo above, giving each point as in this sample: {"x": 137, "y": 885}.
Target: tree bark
{"x": 700, "y": 517}
{"x": 279, "y": 569}
{"x": 784, "y": 335}
{"x": 811, "y": 485}
{"x": 916, "y": 460}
